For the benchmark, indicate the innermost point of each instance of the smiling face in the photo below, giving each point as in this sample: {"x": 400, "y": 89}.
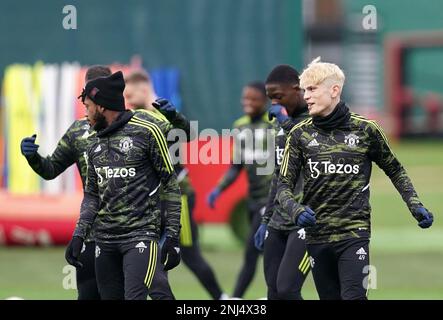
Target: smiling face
{"x": 253, "y": 101}
{"x": 322, "y": 98}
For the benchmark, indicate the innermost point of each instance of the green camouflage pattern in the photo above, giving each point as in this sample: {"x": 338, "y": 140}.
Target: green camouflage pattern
{"x": 244, "y": 157}
{"x": 125, "y": 170}
{"x": 336, "y": 167}
{"x": 71, "y": 149}
{"x": 74, "y": 144}
{"x": 275, "y": 216}
{"x": 179, "y": 122}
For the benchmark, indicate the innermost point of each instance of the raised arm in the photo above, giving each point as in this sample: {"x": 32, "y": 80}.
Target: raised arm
{"x": 53, "y": 165}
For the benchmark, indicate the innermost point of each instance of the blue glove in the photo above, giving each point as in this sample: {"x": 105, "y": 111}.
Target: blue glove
{"x": 306, "y": 218}
{"x": 423, "y": 216}
{"x": 279, "y": 112}
{"x": 28, "y": 146}
{"x": 166, "y": 108}
{"x": 212, "y": 197}
{"x": 260, "y": 236}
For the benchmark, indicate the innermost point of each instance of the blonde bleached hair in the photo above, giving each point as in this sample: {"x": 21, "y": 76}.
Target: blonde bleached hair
{"x": 318, "y": 72}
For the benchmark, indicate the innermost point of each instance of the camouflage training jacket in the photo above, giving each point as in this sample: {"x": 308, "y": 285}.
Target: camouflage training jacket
{"x": 336, "y": 166}
{"x": 127, "y": 163}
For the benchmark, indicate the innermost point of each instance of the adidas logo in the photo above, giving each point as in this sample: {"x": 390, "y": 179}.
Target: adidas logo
{"x": 313, "y": 143}
{"x": 99, "y": 148}
{"x": 281, "y": 133}
{"x": 361, "y": 253}
{"x": 141, "y": 245}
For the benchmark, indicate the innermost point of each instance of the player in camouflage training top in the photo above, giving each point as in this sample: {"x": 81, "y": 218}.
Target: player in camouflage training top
{"x": 285, "y": 259}
{"x": 333, "y": 152}
{"x": 71, "y": 149}
{"x": 127, "y": 163}
{"x": 251, "y": 153}
{"x": 140, "y": 94}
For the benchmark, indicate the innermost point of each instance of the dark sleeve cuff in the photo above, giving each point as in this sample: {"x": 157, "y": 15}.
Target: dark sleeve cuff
{"x": 287, "y": 125}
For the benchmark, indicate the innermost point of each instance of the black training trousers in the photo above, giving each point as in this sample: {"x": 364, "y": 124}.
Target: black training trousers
{"x": 86, "y": 282}
{"x": 125, "y": 270}
{"x": 160, "y": 288}
{"x": 286, "y": 263}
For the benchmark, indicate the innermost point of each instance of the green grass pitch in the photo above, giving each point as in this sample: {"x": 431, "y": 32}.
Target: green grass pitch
{"x": 408, "y": 260}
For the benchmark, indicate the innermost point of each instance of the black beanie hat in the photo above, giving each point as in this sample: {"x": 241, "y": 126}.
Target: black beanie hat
{"x": 106, "y": 91}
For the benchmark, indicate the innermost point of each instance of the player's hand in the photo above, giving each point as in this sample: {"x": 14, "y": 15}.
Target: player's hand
{"x": 166, "y": 108}
{"x": 306, "y": 218}
{"x": 28, "y": 146}
{"x": 170, "y": 253}
{"x": 212, "y": 197}
{"x": 73, "y": 251}
{"x": 424, "y": 217}
{"x": 260, "y": 236}
{"x": 279, "y": 112}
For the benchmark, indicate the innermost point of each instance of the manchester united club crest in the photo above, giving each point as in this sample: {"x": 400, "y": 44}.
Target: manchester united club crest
{"x": 125, "y": 144}
{"x": 352, "y": 140}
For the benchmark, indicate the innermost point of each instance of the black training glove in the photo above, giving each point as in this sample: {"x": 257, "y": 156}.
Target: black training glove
{"x": 166, "y": 108}
{"x": 170, "y": 253}
{"x": 73, "y": 251}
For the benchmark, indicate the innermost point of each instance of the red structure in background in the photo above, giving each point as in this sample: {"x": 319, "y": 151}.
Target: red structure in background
{"x": 204, "y": 177}
{"x": 50, "y": 220}
{"x": 433, "y": 104}
{"x": 397, "y": 97}
{"x": 38, "y": 219}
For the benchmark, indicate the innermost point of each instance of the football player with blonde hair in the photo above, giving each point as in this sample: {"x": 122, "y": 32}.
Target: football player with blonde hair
{"x": 334, "y": 151}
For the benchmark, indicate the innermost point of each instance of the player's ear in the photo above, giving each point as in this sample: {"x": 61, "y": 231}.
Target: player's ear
{"x": 335, "y": 91}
